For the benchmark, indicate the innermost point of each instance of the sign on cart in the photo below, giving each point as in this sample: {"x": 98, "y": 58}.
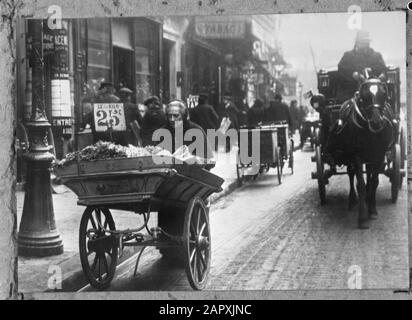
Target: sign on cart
{"x": 109, "y": 115}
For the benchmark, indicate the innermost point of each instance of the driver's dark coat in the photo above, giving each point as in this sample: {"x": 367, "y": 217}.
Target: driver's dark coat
{"x": 356, "y": 60}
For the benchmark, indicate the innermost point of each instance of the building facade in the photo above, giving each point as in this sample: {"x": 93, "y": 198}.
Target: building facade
{"x": 171, "y": 57}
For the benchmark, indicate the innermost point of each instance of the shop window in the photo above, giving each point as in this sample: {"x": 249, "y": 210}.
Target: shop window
{"x": 147, "y": 59}
{"x": 98, "y": 51}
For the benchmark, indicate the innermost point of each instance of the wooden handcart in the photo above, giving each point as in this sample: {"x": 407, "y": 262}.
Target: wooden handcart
{"x": 178, "y": 192}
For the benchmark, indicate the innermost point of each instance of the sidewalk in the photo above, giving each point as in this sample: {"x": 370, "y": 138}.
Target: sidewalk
{"x": 35, "y": 273}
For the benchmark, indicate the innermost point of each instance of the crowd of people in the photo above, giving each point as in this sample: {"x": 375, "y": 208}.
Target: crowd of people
{"x": 142, "y": 120}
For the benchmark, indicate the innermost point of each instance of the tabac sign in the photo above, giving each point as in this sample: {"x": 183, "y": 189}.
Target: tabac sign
{"x": 218, "y": 28}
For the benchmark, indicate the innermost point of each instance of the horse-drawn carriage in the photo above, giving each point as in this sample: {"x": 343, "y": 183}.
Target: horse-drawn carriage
{"x": 177, "y": 191}
{"x": 352, "y": 131}
{"x": 275, "y": 149}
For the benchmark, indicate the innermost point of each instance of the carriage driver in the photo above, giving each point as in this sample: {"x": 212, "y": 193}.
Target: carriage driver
{"x": 354, "y": 62}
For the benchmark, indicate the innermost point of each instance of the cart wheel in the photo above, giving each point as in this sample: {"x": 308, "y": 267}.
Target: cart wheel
{"x": 279, "y": 165}
{"x": 396, "y": 173}
{"x": 402, "y": 143}
{"x": 239, "y": 172}
{"x": 320, "y": 173}
{"x": 98, "y": 259}
{"x": 197, "y": 244}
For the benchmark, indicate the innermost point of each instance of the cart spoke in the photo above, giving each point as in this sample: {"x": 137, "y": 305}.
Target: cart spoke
{"x": 199, "y": 270}
{"x": 93, "y": 222}
{"x": 100, "y": 269}
{"x": 198, "y": 218}
{"x": 93, "y": 267}
{"x": 195, "y": 275}
{"x": 99, "y": 218}
{"x": 202, "y": 229}
{"x": 192, "y": 231}
{"x": 192, "y": 254}
{"x": 105, "y": 263}
{"x": 202, "y": 259}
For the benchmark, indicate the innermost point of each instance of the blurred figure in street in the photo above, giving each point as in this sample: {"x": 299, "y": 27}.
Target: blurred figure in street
{"x": 204, "y": 114}
{"x": 132, "y": 116}
{"x": 256, "y": 114}
{"x": 106, "y": 94}
{"x": 278, "y": 111}
{"x": 294, "y": 114}
{"x": 229, "y": 111}
{"x": 153, "y": 119}
{"x": 243, "y": 112}
{"x": 142, "y": 110}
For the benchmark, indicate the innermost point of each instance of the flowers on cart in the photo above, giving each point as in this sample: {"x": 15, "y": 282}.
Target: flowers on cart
{"x": 108, "y": 150}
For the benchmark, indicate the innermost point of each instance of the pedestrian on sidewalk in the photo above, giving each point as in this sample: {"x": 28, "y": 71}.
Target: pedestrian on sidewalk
{"x": 229, "y": 111}
{"x": 204, "y": 114}
{"x": 154, "y": 118}
{"x": 132, "y": 116}
{"x": 278, "y": 111}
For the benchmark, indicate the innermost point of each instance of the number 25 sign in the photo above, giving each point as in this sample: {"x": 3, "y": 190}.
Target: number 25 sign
{"x": 109, "y": 115}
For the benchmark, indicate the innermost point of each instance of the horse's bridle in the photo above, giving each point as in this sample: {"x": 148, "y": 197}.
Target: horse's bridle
{"x": 369, "y": 127}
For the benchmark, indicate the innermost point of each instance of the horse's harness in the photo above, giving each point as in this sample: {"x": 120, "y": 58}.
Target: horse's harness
{"x": 350, "y": 113}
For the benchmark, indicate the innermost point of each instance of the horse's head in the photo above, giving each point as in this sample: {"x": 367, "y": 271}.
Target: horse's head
{"x": 372, "y": 98}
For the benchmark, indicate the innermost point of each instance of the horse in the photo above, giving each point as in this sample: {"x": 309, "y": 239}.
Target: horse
{"x": 362, "y": 135}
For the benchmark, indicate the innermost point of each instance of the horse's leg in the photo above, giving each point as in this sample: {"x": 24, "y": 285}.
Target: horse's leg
{"x": 363, "y": 219}
{"x": 353, "y": 199}
{"x": 374, "y": 182}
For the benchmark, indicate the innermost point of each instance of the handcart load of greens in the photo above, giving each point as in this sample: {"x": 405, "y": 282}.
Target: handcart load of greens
{"x": 148, "y": 180}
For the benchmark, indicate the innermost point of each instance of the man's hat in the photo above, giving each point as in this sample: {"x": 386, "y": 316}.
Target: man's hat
{"x": 125, "y": 90}
{"x": 363, "y": 36}
{"x": 152, "y": 99}
{"x": 203, "y": 95}
{"x": 105, "y": 85}
{"x": 227, "y": 95}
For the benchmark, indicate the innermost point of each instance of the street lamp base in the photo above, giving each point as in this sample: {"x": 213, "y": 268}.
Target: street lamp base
{"x": 38, "y": 244}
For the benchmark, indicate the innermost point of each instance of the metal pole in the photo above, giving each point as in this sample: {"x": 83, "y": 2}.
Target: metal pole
{"x": 38, "y": 235}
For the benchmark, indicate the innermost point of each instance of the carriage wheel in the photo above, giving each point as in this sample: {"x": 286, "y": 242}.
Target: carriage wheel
{"x": 197, "y": 244}
{"x": 402, "y": 143}
{"x": 98, "y": 259}
{"x": 279, "y": 164}
{"x": 312, "y": 137}
{"x": 317, "y": 137}
{"x": 320, "y": 173}
{"x": 396, "y": 173}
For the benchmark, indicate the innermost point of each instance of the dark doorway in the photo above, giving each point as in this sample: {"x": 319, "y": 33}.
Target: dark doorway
{"x": 123, "y": 68}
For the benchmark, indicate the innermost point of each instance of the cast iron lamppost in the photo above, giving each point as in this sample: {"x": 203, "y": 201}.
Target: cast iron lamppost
{"x": 38, "y": 235}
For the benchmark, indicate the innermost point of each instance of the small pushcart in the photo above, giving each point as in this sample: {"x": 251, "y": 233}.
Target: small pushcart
{"x": 275, "y": 148}
{"x": 143, "y": 185}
